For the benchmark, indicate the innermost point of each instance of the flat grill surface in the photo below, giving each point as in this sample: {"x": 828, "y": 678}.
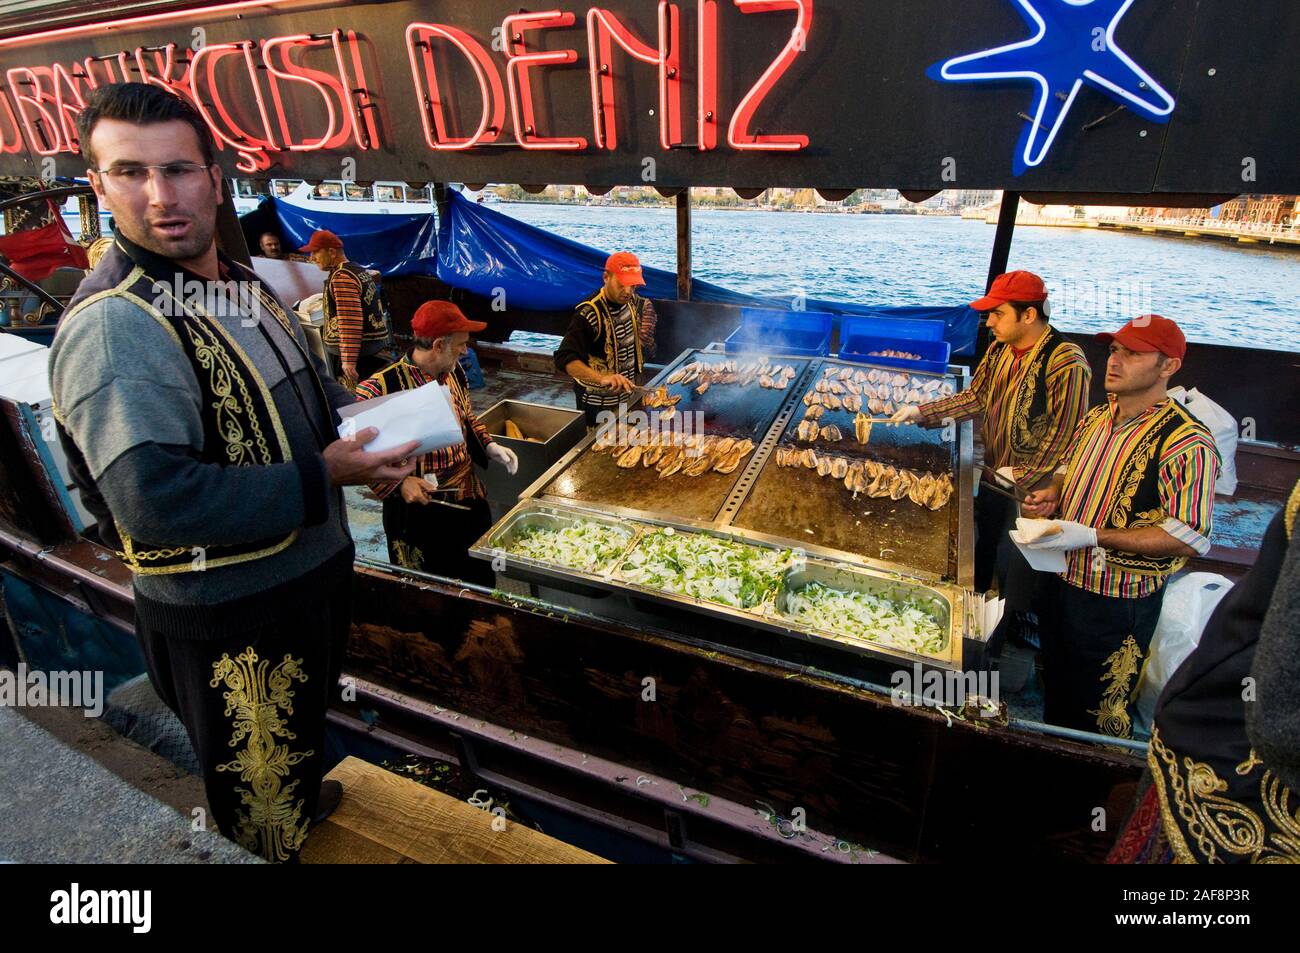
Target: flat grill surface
{"x": 729, "y": 410}
{"x": 797, "y": 504}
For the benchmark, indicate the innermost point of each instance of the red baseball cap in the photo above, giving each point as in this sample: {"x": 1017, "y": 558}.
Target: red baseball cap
{"x": 433, "y": 319}
{"x": 1013, "y": 286}
{"x": 1150, "y": 332}
{"x": 322, "y": 238}
{"x": 627, "y": 266}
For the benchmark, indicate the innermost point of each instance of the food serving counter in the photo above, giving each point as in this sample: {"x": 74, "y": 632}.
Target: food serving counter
{"x": 757, "y": 492}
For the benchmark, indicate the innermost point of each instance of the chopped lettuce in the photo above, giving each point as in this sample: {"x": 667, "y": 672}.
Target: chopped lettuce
{"x": 705, "y": 567}
{"x": 582, "y": 544}
{"x": 903, "y": 624}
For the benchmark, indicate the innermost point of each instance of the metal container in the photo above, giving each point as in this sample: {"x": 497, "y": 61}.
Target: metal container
{"x": 650, "y": 595}
{"x": 494, "y": 547}
{"x": 554, "y": 430}
{"x": 946, "y": 604}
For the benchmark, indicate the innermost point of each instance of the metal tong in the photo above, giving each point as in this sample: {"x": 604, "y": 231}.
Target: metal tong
{"x": 997, "y": 485}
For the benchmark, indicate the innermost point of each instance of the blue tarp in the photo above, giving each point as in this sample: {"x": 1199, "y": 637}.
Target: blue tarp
{"x": 481, "y": 250}
{"x": 391, "y": 244}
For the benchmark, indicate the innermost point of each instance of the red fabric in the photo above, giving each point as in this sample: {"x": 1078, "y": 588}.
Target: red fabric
{"x": 1141, "y": 841}
{"x": 36, "y": 252}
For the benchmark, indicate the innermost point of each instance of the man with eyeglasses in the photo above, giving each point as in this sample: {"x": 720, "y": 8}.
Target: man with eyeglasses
{"x": 202, "y": 434}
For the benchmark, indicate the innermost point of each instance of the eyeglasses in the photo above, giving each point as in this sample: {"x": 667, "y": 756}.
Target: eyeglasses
{"x": 178, "y": 173}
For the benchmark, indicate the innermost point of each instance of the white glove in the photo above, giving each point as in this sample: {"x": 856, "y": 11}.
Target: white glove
{"x": 907, "y": 414}
{"x": 1071, "y": 536}
{"x": 504, "y": 456}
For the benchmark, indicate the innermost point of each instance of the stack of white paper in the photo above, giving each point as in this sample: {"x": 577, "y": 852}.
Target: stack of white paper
{"x": 991, "y": 615}
{"x": 424, "y": 414}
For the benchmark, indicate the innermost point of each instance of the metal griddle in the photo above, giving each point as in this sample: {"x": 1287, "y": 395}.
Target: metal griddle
{"x": 728, "y": 410}
{"x": 785, "y": 507}
{"x": 795, "y": 503}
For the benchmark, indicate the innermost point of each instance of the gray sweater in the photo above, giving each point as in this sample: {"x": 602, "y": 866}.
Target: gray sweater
{"x": 131, "y": 404}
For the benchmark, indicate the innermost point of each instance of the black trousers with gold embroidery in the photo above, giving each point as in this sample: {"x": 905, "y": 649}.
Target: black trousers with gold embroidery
{"x": 253, "y": 703}
{"x": 436, "y": 539}
{"x": 1094, "y": 650}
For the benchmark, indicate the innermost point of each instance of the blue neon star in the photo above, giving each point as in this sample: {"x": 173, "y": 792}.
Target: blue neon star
{"x": 1075, "y": 43}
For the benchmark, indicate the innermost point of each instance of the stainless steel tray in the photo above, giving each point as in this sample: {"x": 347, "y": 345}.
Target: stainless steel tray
{"x": 768, "y": 615}
{"x": 947, "y": 604}
{"x": 494, "y": 544}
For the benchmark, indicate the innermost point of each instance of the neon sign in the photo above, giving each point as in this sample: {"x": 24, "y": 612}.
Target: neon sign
{"x": 1074, "y": 44}
{"x": 263, "y": 97}
{"x": 603, "y": 29}
{"x": 738, "y": 134}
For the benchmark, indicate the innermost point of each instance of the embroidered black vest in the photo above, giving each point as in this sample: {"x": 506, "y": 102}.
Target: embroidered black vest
{"x": 1031, "y": 418}
{"x": 604, "y": 356}
{"x": 399, "y": 377}
{"x": 1219, "y": 803}
{"x": 375, "y": 320}
{"x": 241, "y": 426}
{"x": 1135, "y": 488}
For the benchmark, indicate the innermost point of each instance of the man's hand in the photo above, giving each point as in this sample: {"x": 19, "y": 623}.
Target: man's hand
{"x": 350, "y": 375}
{"x": 348, "y": 464}
{"x": 504, "y": 456}
{"x": 909, "y": 414}
{"x": 414, "y": 489}
{"x": 617, "y": 383}
{"x": 1042, "y": 503}
{"x": 1071, "y": 536}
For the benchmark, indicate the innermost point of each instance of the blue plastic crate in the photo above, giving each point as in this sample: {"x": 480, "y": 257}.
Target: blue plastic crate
{"x": 859, "y": 336}
{"x": 801, "y": 333}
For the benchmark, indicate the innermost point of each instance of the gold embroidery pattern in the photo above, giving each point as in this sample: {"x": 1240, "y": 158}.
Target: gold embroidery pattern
{"x": 1292, "y": 507}
{"x": 137, "y": 558}
{"x": 408, "y": 556}
{"x": 1249, "y": 765}
{"x": 1027, "y": 434}
{"x": 606, "y": 324}
{"x": 1216, "y": 822}
{"x": 1136, "y": 465}
{"x": 222, "y": 374}
{"x": 1113, "y": 717}
{"x": 272, "y": 824}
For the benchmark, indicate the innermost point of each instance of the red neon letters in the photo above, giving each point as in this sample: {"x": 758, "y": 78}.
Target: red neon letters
{"x": 738, "y": 134}
{"x": 419, "y": 49}
{"x": 304, "y": 93}
{"x": 603, "y": 29}
{"x": 518, "y": 64}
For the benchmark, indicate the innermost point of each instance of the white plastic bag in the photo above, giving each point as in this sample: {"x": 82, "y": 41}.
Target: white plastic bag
{"x": 1222, "y": 426}
{"x": 1189, "y": 602}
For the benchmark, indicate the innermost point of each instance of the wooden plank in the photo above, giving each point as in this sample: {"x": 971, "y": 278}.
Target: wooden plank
{"x": 384, "y": 818}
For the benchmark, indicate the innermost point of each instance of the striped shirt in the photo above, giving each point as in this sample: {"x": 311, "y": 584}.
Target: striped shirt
{"x": 1188, "y": 465}
{"x": 992, "y": 392}
{"x": 352, "y": 314}
{"x": 452, "y": 465}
